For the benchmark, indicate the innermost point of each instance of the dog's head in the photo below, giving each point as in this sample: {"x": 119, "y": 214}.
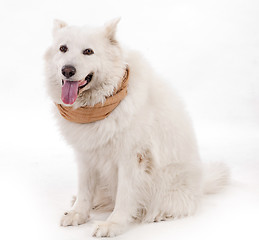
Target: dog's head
{"x": 83, "y": 65}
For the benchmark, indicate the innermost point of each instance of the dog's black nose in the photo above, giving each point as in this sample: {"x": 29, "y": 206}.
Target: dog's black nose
{"x": 68, "y": 71}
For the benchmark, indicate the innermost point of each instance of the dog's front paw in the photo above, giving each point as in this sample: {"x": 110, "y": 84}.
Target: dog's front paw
{"x": 73, "y": 218}
{"x": 107, "y": 229}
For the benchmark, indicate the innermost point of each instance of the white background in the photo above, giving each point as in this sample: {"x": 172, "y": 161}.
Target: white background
{"x": 207, "y": 50}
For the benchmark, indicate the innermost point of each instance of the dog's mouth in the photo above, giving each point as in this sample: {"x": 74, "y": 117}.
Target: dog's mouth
{"x": 70, "y": 89}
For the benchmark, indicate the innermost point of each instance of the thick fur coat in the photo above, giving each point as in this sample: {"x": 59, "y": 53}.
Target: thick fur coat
{"x": 142, "y": 161}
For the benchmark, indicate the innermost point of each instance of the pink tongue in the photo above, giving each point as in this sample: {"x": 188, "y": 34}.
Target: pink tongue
{"x": 69, "y": 92}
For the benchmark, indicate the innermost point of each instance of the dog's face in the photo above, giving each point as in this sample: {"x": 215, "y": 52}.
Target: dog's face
{"x": 80, "y": 60}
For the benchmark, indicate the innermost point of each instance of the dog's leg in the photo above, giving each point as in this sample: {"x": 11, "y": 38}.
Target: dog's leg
{"x": 125, "y": 204}
{"x": 80, "y": 211}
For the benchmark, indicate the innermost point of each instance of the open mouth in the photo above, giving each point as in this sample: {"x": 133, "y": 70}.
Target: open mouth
{"x": 70, "y": 89}
{"x": 87, "y": 80}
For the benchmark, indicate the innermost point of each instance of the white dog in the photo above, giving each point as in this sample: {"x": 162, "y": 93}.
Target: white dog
{"x": 141, "y": 161}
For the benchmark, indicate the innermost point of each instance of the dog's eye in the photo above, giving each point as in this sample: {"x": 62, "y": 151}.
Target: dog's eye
{"x": 63, "y": 48}
{"x": 88, "y": 51}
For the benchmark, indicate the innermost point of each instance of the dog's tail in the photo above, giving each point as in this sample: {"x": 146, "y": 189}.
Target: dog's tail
{"x": 216, "y": 176}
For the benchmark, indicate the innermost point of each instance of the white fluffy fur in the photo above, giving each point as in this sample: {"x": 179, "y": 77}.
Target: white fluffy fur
{"x": 151, "y": 122}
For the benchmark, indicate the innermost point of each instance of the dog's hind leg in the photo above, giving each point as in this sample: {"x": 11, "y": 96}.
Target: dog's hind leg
{"x": 177, "y": 193}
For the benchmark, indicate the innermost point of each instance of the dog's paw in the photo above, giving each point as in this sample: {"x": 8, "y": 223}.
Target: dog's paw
{"x": 107, "y": 229}
{"x": 73, "y": 218}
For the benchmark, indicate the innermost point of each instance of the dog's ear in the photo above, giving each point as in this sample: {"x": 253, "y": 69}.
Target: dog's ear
{"x": 110, "y": 29}
{"x": 57, "y": 25}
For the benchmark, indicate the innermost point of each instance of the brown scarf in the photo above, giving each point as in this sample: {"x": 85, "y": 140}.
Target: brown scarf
{"x": 99, "y": 111}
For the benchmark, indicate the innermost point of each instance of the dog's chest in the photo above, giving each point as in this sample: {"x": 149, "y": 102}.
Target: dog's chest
{"x": 87, "y": 136}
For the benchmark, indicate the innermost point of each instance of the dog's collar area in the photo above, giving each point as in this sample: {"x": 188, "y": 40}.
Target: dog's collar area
{"x": 99, "y": 111}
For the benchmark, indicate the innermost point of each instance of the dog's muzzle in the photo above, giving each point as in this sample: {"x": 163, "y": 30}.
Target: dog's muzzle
{"x": 70, "y": 89}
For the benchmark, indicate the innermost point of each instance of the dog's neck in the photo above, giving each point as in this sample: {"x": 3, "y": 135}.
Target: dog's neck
{"x": 99, "y": 111}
